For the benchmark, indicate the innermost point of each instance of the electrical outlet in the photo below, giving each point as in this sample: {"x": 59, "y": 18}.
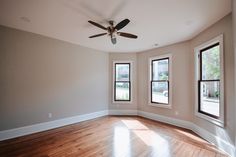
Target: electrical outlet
{"x": 49, "y": 115}
{"x": 176, "y": 113}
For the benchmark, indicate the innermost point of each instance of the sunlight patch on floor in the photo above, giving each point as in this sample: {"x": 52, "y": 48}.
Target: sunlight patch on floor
{"x": 150, "y": 138}
{"x": 121, "y": 142}
{"x": 134, "y": 125}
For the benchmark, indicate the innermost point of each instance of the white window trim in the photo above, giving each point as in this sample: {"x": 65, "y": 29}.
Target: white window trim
{"x": 131, "y": 82}
{"x": 220, "y": 121}
{"x": 169, "y": 106}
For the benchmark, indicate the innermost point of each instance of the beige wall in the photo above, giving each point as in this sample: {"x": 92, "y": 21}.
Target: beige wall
{"x": 123, "y": 57}
{"x": 40, "y": 75}
{"x": 183, "y": 101}
{"x": 181, "y": 105}
{"x": 183, "y": 79}
{"x": 234, "y": 31}
{"x": 224, "y": 27}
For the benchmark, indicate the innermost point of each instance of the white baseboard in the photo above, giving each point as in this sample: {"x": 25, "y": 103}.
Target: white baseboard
{"x": 123, "y": 112}
{"x": 220, "y": 143}
{"x": 168, "y": 120}
{"x": 26, "y": 130}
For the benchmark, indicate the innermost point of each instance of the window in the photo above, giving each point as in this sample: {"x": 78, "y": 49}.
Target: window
{"x": 210, "y": 81}
{"x": 122, "y": 86}
{"x": 160, "y": 81}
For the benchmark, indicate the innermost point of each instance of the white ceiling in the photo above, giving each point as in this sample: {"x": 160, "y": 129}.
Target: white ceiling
{"x": 161, "y": 22}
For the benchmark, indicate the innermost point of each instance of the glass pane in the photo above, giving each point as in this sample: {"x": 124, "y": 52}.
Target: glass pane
{"x": 122, "y": 91}
{"x": 210, "y": 97}
{"x": 122, "y": 72}
{"x": 160, "y": 92}
{"x": 211, "y": 63}
{"x": 160, "y": 69}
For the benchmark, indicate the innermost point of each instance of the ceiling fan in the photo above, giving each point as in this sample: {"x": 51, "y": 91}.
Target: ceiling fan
{"x": 112, "y": 30}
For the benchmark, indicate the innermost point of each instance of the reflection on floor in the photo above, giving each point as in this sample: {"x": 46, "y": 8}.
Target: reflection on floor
{"x": 112, "y": 136}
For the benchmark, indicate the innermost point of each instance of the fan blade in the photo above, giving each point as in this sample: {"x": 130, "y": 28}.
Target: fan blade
{"x": 98, "y": 25}
{"x": 127, "y": 35}
{"x": 122, "y": 24}
{"x": 97, "y": 35}
{"x": 113, "y": 40}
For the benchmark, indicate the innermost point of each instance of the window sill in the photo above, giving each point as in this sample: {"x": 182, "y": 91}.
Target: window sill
{"x": 122, "y": 102}
{"x": 161, "y": 105}
{"x": 210, "y": 119}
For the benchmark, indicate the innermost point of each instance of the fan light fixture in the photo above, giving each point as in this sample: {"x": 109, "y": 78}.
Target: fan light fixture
{"x": 112, "y": 30}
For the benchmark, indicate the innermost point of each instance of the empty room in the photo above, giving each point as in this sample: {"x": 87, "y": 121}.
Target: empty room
{"x": 117, "y": 78}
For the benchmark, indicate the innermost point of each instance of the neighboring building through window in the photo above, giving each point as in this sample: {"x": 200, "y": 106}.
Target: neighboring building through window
{"x": 122, "y": 85}
{"x": 159, "y": 81}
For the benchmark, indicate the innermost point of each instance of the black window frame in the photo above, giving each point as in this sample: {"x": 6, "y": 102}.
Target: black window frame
{"x": 207, "y": 80}
{"x": 129, "y": 82}
{"x": 168, "y": 81}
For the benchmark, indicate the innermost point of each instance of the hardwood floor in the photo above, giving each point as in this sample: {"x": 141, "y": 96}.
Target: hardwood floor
{"x": 111, "y": 136}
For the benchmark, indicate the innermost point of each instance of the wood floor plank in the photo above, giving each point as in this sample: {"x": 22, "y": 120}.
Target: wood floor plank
{"x": 111, "y": 136}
